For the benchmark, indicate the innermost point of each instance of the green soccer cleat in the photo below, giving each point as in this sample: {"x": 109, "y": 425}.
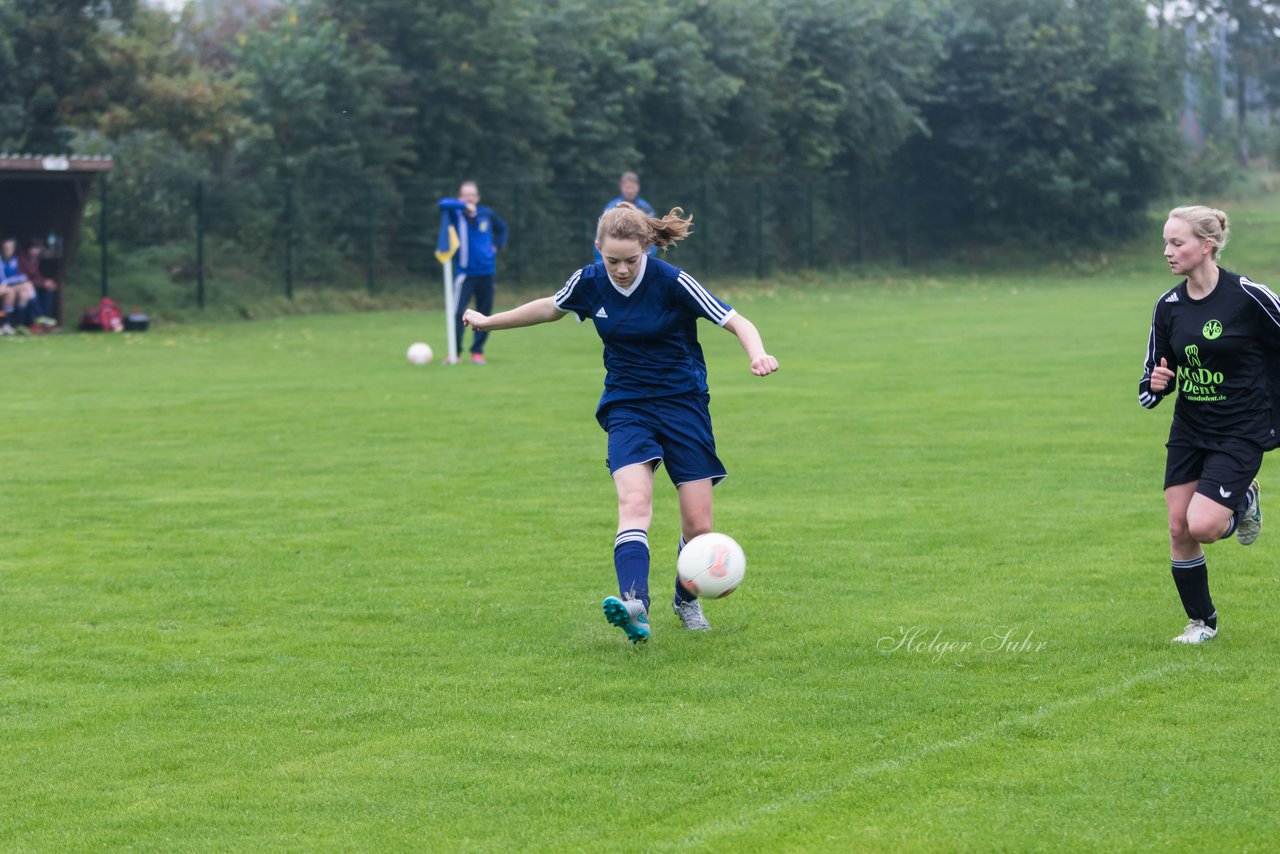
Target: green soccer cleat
{"x": 629, "y": 615}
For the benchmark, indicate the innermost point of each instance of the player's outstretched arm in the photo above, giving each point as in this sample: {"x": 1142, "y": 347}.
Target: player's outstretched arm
{"x": 531, "y": 313}
{"x": 762, "y": 364}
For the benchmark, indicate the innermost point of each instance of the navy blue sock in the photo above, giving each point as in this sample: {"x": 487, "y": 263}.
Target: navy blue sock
{"x": 1192, "y": 578}
{"x": 682, "y": 595}
{"x": 631, "y": 562}
{"x": 1231, "y": 526}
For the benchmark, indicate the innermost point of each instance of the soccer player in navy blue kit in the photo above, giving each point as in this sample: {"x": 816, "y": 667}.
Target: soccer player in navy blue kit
{"x": 655, "y": 401}
{"x": 481, "y": 233}
{"x": 1214, "y": 342}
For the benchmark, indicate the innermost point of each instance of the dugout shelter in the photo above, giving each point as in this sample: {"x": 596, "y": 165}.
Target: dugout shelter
{"x": 42, "y": 196}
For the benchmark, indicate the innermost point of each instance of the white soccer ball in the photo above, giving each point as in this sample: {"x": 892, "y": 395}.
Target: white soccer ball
{"x": 711, "y": 566}
{"x": 419, "y": 354}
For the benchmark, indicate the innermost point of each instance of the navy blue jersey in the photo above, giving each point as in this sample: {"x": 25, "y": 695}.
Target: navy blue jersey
{"x": 649, "y": 332}
{"x": 1224, "y": 349}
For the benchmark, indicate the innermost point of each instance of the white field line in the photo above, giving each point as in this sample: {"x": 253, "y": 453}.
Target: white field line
{"x": 704, "y": 833}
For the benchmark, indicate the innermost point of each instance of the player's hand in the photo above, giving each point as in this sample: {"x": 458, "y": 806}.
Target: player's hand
{"x": 764, "y": 365}
{"x": 1162, "y": 378}
{"x": 477, "y": 321}
{"x": 471, "y": 209}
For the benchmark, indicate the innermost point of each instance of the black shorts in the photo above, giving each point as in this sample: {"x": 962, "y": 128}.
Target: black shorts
{"x": 1224, "y": 467}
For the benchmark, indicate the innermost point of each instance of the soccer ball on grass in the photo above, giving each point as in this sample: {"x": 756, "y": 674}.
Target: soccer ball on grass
{"x": 419, "y": 354}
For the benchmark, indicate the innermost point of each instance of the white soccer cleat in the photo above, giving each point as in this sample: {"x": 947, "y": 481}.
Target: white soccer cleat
{"x": 690, "y": 613}
{"x": 1250, "y": 523}
{"x": 1196, "y": 632}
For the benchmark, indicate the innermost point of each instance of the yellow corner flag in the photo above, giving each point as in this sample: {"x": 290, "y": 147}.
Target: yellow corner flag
{"x": 447, "y": 244}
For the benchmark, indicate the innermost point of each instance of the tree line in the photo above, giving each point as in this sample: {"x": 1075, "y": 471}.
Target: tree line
{"x": 996, "y": 120}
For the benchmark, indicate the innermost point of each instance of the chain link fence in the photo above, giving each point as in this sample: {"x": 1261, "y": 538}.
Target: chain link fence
{"x": 282, "y": 237}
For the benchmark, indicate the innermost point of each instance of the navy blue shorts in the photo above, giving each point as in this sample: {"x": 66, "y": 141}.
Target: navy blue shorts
{"x": 671, "y": 430}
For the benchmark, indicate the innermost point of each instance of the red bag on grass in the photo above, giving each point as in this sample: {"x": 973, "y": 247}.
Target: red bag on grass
{"x": 104, "y": 317}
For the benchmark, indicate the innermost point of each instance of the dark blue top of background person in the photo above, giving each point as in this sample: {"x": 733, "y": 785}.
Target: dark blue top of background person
{"x": 629, "y": 191}
{"x": 479, "y": 237}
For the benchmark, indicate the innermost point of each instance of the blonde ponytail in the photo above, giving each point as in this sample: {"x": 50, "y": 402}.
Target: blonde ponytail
{"x": 1206, "y": 224}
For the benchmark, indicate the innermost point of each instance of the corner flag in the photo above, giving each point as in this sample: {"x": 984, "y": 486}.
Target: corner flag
{"x": 448, "y": 243}
{"x": 446, "y": 246}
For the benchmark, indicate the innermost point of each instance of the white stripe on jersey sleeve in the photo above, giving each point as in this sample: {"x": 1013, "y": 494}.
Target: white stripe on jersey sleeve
{"x": 464, "y": 239}
{"x": 1264, "y": 297}
{"x": 1148, "y": 398}
{"x": 564, "y": 292}
{"x": 1149, "y": 357}
{"x": 716, "y": 313}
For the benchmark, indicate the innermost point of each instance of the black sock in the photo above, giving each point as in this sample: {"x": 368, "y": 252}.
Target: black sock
{"x": 1192, "y": 578}
{"x": 682, "y": 595}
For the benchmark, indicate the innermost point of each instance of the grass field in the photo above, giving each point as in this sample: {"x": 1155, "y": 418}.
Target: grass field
{"x": 266, "y": 586}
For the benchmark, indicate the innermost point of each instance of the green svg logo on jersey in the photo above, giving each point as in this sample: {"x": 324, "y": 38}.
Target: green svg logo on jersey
{"x": 1212, "y": 329}
{"x": 1196, "y": 382}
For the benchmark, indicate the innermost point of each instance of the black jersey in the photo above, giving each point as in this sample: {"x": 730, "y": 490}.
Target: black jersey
{"x": 1225, "y": 349}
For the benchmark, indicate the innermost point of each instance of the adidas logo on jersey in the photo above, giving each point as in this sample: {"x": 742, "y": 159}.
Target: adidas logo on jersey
{"x": 1173, "y": 297}
{"x": 601, "y": 313}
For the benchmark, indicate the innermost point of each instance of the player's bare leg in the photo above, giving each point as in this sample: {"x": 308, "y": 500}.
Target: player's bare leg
{"x": 695, "y": 518}
{"x": 629, "y": 610}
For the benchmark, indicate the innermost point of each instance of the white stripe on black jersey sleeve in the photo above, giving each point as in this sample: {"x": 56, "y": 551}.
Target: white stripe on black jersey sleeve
{"x": 1148, "y": 398}
{"x": 1265, "y": 298}
{"x": 712, "y": 308}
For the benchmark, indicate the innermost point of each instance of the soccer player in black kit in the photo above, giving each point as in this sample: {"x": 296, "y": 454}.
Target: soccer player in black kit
{"x": 1214, "y": 342}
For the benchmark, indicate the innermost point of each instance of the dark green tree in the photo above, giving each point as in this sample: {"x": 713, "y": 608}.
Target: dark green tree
{"x": 1253, "y": 53}
{"x": 481, "y": 103}
{"x": 1047, "y": 120}
{"x": 53, "y": 66}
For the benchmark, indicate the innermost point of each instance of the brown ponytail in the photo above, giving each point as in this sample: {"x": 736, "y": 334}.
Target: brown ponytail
{"x": 625, "y": 221}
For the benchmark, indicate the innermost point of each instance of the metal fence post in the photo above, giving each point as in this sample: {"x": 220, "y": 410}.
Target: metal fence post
{"x": 519, "y": 247}
{"x": 102, "y": 230}
{"x": 809, "y": 244}
{"x": 904, "y": 235}
{"x": 200, "y": 245}
{"x": 759, "y": 228}
{"x": 856, "y": 194}
{"x": 369, "y": 248}
{"x": 705, "y": 215}
{"x": 288, "y": 237}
